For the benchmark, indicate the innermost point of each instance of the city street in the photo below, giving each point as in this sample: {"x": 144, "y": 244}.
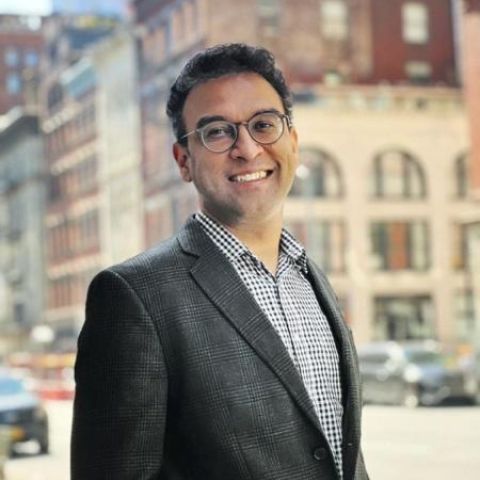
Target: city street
{"x": 400, "y": 444}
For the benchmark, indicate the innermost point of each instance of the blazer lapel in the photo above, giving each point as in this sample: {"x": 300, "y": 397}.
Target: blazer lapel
{"x": 221, "y": 283}
{"x": 349, "y": 371}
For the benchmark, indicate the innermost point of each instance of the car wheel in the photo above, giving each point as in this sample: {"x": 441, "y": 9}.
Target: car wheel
{"x": 411, "y": 398}
{"x": 44, "y": 446}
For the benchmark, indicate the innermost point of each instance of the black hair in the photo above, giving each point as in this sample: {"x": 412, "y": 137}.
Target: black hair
{"x": 219, "y": 61}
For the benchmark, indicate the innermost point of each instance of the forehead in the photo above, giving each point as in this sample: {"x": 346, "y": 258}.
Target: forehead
{"x": 235, "y": 97}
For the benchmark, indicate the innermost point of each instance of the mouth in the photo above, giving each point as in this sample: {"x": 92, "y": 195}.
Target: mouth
{"x": 250, "y": 177}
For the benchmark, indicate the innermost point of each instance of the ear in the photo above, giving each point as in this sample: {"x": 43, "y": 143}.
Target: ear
{"x": 294, "y": 139}
{"x": 182, "y": 158}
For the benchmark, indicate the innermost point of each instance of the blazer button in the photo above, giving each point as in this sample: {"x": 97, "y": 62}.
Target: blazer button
{"x": 320, "y": 454}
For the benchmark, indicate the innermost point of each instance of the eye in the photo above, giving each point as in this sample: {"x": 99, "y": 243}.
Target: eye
{"x": 218, "y": 131}
{"x": 265, "y": 123}
{"x": 262, "y": 125}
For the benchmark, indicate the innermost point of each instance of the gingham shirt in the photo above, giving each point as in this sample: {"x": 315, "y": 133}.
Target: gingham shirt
{"x": 290, "y": 304}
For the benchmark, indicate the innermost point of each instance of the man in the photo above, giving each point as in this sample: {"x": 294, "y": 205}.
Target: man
{"x": 220, "y": 354}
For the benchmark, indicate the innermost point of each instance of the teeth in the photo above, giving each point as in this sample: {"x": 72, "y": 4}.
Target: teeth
{"x": 249, "y": 177}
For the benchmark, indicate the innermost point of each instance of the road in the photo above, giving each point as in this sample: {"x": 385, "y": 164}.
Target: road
{"x": 54, "y": 466}
{"x": 424, "y": 443}
{"x": 399, "y": 444}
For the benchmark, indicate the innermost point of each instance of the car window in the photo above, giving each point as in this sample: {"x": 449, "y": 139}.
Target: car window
{"x": 423, "y": 357}
{"x": 373, "y": 358}
{"x": 10, "y": 386}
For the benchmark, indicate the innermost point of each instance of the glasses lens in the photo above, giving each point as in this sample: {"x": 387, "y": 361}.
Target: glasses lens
{"x": 218, "y": 136}
{"x": 266, "y": 127}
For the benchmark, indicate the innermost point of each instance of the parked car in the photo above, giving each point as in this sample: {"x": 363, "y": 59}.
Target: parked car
{"x": 471, "y": 369}
{"x": 22, "y": 413}
{"x": 410, "y": 374}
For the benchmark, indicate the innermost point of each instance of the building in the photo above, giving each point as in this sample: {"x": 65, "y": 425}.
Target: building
{"x": 411, "y": 41}
{"x": 119, "y": 147}
{"x": 380, "y": 201}
{"x": 21, "y": 44}
{"x": 113, "y": 8}
{"x": 22, "y": 207}
{"x": 471, "y": 67}
{"x": 91, "y": 125}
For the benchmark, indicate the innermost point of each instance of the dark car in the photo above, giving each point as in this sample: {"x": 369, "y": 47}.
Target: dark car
{"x": 471, "y": 368}
{"x": 409, "y": 374}
{"x": 21, "y": 413}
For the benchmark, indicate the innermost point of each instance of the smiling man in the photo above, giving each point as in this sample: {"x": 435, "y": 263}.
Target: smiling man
{"x": 221, "y": 354}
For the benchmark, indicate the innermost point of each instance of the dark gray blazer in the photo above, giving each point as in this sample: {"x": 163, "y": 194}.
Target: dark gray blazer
{"x": 180, "y": 376}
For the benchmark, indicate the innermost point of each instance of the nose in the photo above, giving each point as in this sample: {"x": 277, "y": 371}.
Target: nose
{"x": 245, "y": 146}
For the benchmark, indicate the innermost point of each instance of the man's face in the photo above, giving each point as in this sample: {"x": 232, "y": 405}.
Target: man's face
{"x": 249, "y": 182}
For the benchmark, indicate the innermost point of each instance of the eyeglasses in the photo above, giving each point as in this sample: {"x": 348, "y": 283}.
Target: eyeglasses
{"x": 264, "y": 128}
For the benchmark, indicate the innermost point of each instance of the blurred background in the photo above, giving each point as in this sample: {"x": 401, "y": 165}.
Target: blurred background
{"x": 386, "y": 200}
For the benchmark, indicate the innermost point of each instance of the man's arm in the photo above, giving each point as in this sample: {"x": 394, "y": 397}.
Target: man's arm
{"x": 121, "y": 387}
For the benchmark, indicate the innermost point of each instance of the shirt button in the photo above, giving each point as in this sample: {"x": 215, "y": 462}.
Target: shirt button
{"x": 320, "y": 454}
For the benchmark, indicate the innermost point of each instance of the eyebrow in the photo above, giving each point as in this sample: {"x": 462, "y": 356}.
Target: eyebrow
{"x": 216, "y": 118}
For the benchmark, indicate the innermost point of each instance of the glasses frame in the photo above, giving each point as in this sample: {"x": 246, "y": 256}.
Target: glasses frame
{"x": 285, "y": 118}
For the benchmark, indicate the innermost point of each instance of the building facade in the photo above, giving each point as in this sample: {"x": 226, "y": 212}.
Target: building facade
{"x": 91, "y": 127}
{"x": 22, "y": 208}
{"x": 380, "y": 202}
{"x": 21, "y": 44}
{"x": 412, "y": 41}
{"x": 471, "y": 67}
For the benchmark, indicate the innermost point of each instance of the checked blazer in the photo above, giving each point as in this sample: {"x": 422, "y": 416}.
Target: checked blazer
{"x": 181, "y": 376}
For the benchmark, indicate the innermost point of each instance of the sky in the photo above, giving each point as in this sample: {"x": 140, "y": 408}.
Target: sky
{"x": 33, "y": 7}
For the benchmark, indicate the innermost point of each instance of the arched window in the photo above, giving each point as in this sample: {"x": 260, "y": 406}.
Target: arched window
{"x": 397, "y": 174}
{"x": 461, "y": 186}
{"x": 318, "y": 175}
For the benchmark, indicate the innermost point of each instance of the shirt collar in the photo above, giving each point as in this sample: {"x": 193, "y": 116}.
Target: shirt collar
{"x": 233, "y": 248}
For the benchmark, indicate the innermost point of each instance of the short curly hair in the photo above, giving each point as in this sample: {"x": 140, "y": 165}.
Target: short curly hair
{"x": 219, "y": 61}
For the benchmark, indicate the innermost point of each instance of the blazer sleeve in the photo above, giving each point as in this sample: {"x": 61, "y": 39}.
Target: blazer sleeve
{"x": 121, "y": 387}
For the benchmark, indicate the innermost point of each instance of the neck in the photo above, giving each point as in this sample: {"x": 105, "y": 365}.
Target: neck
{"x": 262, "y": 239}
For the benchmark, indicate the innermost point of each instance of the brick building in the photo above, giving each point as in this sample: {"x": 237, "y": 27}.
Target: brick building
{"x": 471, "y": 76}
{"x": 412, "y": 41}
{"x": 68, "y": 115}
{"x": 21, "y": 44}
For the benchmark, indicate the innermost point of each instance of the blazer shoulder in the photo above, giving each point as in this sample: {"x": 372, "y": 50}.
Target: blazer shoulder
{"x": 165, "y": 256}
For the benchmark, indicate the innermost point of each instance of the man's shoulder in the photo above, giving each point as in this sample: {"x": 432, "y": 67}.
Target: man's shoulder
{"x": 162, "y": 257}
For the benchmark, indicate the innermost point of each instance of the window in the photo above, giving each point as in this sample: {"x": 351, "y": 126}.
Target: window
{"x": 461, "y": 187}
{"x": 317, "y": 176}
{"x": 464, "y": 314}
{"x": 397, "y": 175}
{"x": 415, "y": 23}
{"x": 418, "y": 72}
{"x": 400, "y": 246}
{"x": 13, "y": 84}
{"x": 31, "y": 58}
{"x": 11, "y": 57}
{"x": 403, "y": 318}
{"x": 459, "y": 246}
{"x": 334, "y": 19}
{"x": 268, "y": 15}
{"x": 325, "y": 240}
